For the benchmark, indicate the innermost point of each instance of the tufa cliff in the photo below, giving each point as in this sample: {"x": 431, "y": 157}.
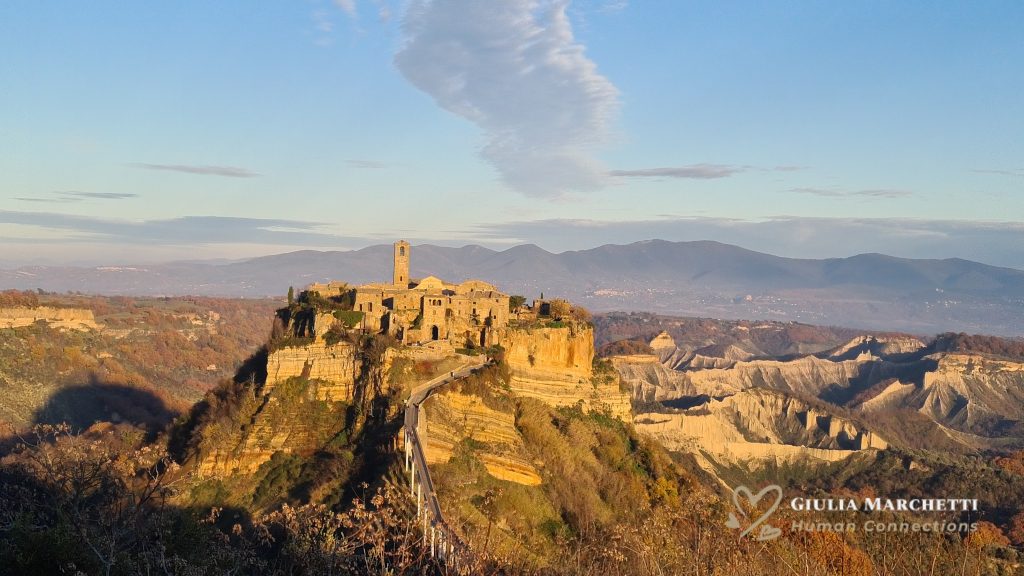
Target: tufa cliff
{"x": 335, "y": 368}
{"x": 452, "y": 418}
{"x": 556, "y": 365}
{"x": 323, "y": 391}
{"x": 759, "y": 424}
{"x": 62, "y": 318}
{"x": 965, "y": 401}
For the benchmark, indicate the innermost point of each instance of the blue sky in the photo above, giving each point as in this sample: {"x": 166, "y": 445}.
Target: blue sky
{"x": 190, "y": 130}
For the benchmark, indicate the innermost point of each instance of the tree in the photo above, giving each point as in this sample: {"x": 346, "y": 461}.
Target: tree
{"x": 559, "y": 309}
{"x": 102, "y": 488}
{"x": 515, "y": 302}
{"x": 1016, "y": 529}
{"x": 987, "y": 534}
{"x": 291, "y": 295}
{"x": 580, "y": 314}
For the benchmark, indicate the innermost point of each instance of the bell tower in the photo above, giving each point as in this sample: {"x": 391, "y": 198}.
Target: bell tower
{"x": 401, "y": 277}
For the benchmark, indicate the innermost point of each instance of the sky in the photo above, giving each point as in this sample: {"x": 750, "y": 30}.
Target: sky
{"x": 156, "y": 131}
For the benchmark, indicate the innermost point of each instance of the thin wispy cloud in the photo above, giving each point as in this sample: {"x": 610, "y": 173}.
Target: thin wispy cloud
{"x": 1018, "y": 173}
{"x": 703, "y": 171}
{"x": 697, "y": 171}
{"x": 514, "y": 69}
{"x": 76, "y": 196}
{"x": 374, "y": 164}
{"x": 183, "y": 231}
{"x": 322, "y": 23}
{"x": 226, "y": 171}
{"x": 45, "y": 200}
{"x": 614, "y": 6}
{"x": 840, "y": 193}
{"x": 99, "y": 195}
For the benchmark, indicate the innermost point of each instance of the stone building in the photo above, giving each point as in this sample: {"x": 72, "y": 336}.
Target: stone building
{"x": 471, "y": 313}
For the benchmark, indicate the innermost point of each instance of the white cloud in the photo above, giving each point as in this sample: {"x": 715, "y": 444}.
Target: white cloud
{"x": 348, "y": 6}
{"x": 383, "y": 10}
{"x": 514, "y": 69}
{"x": 614, "y": 5}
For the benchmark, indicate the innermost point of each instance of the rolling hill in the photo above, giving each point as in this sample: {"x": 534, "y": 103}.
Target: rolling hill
{"x": 693, "y": 278}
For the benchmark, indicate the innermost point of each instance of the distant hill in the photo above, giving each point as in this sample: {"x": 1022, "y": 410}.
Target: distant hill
{"x": 707, "y": 279}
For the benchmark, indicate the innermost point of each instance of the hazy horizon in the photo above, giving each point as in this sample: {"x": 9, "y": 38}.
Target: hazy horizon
{"x": 775, "y": 247}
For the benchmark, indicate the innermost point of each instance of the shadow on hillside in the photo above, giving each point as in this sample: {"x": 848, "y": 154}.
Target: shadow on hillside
{"x": 83, "y": 405}
{"x": 226, "y": 395}
{"x": 254, "y": 369}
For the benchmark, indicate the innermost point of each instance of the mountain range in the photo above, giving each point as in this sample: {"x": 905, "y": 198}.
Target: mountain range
{"x": 702, "y": 278}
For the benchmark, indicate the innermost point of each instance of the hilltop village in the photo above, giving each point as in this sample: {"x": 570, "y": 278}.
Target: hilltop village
{"x": 471, "y": 314}
{"x": 336, "y": 345}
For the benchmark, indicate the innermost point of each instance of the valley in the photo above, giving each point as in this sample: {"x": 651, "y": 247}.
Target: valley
{"x": 579, "y": 441}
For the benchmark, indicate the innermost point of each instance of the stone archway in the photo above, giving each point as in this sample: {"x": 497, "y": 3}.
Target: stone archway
{"x": 435, "y": 333}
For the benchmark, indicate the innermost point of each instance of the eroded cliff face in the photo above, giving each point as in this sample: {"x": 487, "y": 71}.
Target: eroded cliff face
{"x": 968, "y": 393}
{"x": 334, "y": 367}
{"x": 653, "y": 381}
{"x": 61, "y": 318}
{"x": 290, "y": 419}
{"x": 759, "y": 424}
{"x": 877, "y": 346}
{"x": 974, "y": 400}
{"x": 551, "y": 354}
{"x": 555, "y": 365}
{"x": 552, "y": 364}
{"x": 450, "y": 418}
{"x": 303, "y": 405}
{"x": 749, "y": 410}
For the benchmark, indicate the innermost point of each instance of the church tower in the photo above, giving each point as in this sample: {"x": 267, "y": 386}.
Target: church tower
{"x": 402, "y": 264}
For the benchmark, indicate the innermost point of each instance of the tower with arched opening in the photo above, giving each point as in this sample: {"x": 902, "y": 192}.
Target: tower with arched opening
{"x": 401, "y": 278}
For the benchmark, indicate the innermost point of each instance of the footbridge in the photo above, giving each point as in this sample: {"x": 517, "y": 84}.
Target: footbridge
{"x": 443, "y": 542}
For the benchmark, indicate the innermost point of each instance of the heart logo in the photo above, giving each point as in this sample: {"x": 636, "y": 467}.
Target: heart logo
{"x": 769, "y": 533}
{"x": 742, "y": 495}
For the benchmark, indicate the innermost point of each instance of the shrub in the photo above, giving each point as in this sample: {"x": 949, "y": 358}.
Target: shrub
{"x": 350, "y": 318}
{"x": 625, "y": 348}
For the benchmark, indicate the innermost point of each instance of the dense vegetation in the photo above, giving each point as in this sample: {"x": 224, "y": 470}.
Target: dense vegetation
{"x": 104, "y": 503}
{"x": 18, "y": 299}
{"x": 613, "y": 502}
{"x": 152, "y": 358}
{"x": 767, "y": 337}
{"x": 625, "y": 348}
{"x": 994, "y": 345}
{"x": 122, "y": 498}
